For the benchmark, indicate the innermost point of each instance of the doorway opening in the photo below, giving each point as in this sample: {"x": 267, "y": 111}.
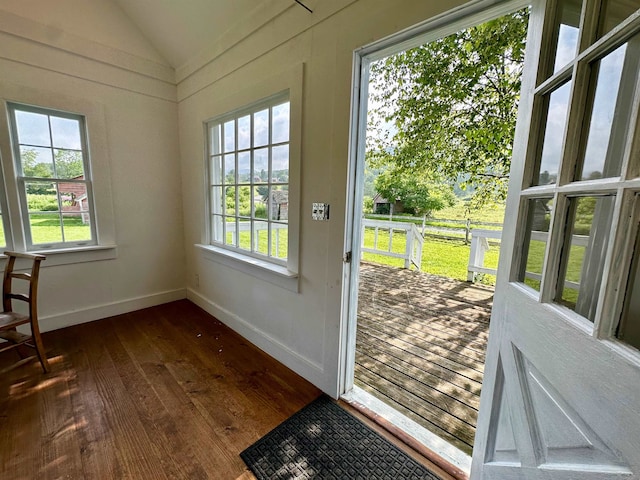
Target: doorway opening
{"x": 421, "y": 283}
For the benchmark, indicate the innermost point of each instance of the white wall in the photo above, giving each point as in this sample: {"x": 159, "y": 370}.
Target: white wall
{"x": 300, "y": 329}
{"x": 129, "y": 93}
{"x": 151, "y": 143}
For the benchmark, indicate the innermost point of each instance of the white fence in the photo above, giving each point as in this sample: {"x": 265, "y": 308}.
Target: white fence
{"x": 413, "y": 247}
{"x": 258, "y": 228}
{"x": 480, "y": 245}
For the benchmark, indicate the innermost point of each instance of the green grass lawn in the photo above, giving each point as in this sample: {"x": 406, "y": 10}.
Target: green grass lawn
{"x": 447, "y": 258}
{"x": 46, "y": 228}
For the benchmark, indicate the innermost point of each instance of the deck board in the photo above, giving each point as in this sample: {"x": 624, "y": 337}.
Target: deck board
{"x": 420, "y": 347}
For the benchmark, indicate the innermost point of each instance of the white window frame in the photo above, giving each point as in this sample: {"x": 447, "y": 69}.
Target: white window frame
{"x": 105, "y": 247}
{"x": 282, "y": 274}
{"x": 220, "y": 234}
{"x": 22, "y": 180}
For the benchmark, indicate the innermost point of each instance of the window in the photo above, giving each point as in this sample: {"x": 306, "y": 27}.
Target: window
{"x": 53, "y": 177}
{"x": 248, "y": 180}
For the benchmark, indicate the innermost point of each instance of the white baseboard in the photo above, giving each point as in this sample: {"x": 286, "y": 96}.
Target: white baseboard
{"x": 311, "y": 371}
{"x": 61, "y": 320}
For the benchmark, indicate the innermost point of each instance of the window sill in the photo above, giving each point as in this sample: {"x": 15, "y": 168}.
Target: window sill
{"x": 68, "y": 256}
{"x": 262, "y": 269}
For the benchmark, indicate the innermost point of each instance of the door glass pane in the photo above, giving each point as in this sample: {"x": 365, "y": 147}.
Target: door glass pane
{"x": 588, "y": 230}
{"x": 551, "y": 152}
{"x": 629, "y": 328}
{"x": 615, "y": 11}
{"x": 615, "y": 78}
{"x": 568, "y": 28}
{"x": 538, "y": 222}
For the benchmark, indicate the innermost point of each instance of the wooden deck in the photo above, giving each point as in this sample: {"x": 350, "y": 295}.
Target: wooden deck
{"x": 420, "y": 347}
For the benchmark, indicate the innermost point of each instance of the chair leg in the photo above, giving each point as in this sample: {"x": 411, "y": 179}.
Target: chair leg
{"x": 37, "y": 341}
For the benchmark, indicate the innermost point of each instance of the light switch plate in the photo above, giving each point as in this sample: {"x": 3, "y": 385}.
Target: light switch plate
{"x": 320, "y": 211}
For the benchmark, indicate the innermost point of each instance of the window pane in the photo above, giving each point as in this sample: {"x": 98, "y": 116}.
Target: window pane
{"x": 244, "y": 167}
{"x": 230, "y": 168}
{"x": 229, "y": 136}
{"x": 280, "y": 164}
{"x": 33, "y": 129}
{"x": 280, "y": 123}
{"x": 568, "y": 29}
{"x": 76, "y": 226}
{"x": 215, "y": 139}
{"x": 590, "y": 220}
{"x": 217, "y": 224}
{"x": 551, "y": 154}
{"x": 629, "y": 328}
{"x": 610, "y": 116}
{"x": 217, "y": 200}
{"x": 216, "y": 170}
{"x": 278, "y": 204}
{"x": 45, "y": 228}
{"x": 279, "y": 239}
{"x": 244, "y": 132}
{"x": 42, "y": 197}
{"x": 615, "y": 11}
{"x": 244, "y": 201}
{"x": 261, "y": 165}
{"x": 68, "y": 164}
{"x": 3, "y": 242}
{"x": 261, "y": 237}
{"x": 244, "y": 234}
{"x": 36, "y": 162}
{"x": 261, "y": 128}
{"x": 66, "y": 133}
{"x": 231, "y": 232}
{"x": 538, "y": 222}
{"x": 73, "y": 196}
{"x": 230, "y": 198}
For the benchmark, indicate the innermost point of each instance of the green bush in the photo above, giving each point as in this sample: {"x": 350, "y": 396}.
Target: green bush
{"x": 42, "y": 203}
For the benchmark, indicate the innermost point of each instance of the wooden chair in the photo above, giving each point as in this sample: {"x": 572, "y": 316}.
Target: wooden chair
{"x": 9, "y": 319}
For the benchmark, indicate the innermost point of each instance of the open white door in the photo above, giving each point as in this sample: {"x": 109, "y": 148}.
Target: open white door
{"x": 561, "y": 395}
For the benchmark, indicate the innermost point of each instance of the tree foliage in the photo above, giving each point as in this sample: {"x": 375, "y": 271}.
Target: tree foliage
{"x": 449, "y": 107}
{"x": 419, "y": 194}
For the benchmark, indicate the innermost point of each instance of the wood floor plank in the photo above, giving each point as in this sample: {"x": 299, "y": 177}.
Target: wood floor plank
{"x": 146, "y": 395}
{"x": 420, "y": 347}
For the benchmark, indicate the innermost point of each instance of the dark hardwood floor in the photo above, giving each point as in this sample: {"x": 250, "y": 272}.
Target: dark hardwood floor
{"x": 163, "y": 393}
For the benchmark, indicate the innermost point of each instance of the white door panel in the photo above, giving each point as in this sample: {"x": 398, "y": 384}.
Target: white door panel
{"x": 561, "y": 393}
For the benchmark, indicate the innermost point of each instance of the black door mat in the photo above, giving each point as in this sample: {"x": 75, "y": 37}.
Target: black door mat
{"x": 323, "y": 441}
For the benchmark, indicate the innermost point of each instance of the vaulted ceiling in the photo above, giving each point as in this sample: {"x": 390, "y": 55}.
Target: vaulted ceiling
{"x": 181, "y": 29}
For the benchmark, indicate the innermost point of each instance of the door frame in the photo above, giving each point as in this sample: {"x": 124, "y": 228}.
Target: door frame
{"x": 473, "y": 13}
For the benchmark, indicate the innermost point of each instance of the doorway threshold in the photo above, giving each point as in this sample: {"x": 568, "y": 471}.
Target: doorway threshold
{"x": 446, "y": 456}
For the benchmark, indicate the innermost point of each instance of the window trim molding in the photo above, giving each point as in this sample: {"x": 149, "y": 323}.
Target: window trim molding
{"x": 268, "y": 87}
{"x": 98, "y": 149}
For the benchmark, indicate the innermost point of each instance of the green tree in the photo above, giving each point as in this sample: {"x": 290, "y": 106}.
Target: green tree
{"x": 419, "y": 194}
{"x": 68, "y": 164}
{"x": 449, "y": 107}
